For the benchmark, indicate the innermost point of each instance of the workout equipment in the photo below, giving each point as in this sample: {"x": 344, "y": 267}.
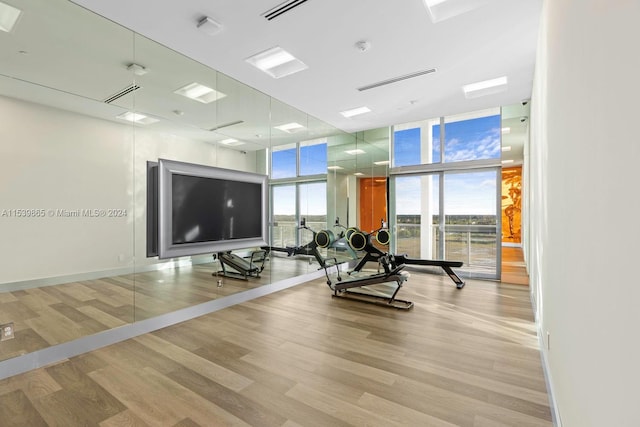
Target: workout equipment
{"x": 378, "y": 288}
{"x": 241, "y": 268}
{"x": 322, "y": 239}
{"x": 362, "y": 242}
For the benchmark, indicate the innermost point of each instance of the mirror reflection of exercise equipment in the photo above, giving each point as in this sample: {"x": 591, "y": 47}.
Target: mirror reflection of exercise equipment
{"x": 323, "y": 239}
{"x": 237, "y": 267}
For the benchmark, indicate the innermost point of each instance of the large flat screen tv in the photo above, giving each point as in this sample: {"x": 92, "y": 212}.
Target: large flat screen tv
{"x": 205, "y": 209}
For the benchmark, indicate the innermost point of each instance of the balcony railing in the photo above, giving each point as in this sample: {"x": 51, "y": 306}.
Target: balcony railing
{"x": 475, "y": 245}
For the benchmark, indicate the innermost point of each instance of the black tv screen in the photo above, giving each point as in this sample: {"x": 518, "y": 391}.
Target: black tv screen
{"x": 205, "y": 209}
{"x": 211, "y": 210}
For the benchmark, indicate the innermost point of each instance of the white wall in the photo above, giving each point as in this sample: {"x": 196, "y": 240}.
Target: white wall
{"x": 584, "y": 203}
{"x": 54, "y": 159}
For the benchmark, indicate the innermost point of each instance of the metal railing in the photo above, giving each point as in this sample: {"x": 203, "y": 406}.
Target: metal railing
{"x": 475, "y": 245}
{"x": 284, "y": 234}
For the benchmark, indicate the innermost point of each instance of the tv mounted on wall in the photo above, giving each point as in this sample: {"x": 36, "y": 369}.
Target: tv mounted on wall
{"x": 205, "y": 209}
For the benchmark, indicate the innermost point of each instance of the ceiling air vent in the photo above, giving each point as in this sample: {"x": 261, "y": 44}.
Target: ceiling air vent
{"x": 123, "y": 92}
{"x": 397, "y": 79}
{"x": 226, "y": 125}
{"x": 281, "y": 9}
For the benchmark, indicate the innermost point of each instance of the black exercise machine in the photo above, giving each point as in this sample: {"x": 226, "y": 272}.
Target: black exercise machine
{"x": 363, "y": 242}
{"x": 238, "y": 267}
{"x": 378, "y": 288}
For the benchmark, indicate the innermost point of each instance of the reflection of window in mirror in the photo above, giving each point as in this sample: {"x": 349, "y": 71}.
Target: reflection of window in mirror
{"x": 283, "y": 161}
{"x": 313, "y": 157}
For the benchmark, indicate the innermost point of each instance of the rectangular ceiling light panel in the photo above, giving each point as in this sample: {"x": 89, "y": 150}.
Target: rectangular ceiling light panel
{"x": 137, "y": 118}
{"x": 8, "y": 17}
{"x": 440, "y": 10}
{"x": 200, "y": 93}
{"x": 231, "y": 142}
{"x": 354, "y": 152}
{"x": 277, "y": 62}
{"x": 292, "y": 127}
{"x": 487, "y": 87}
{"x": 355, "y": 112}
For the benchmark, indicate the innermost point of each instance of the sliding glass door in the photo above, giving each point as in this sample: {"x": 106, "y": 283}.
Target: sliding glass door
{"x": 450, "y": 215}
{"x": 471, "y": 232}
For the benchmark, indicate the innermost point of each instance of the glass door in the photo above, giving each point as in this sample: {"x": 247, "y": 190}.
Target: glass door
{"x": 450, "y": 215}
{"x": 471, "y": 222}
{"x": 417, "y": 220}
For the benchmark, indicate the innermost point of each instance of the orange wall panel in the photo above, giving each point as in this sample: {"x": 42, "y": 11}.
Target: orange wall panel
{"x": 512, "y": 205}
{"x": 373, "y": 203}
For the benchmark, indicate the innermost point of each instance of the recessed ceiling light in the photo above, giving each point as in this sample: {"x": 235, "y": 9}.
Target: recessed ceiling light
{"x": 382, "y": 162}
{"x": 277, "y": 62}
{"x": 334, "y": 168}
{"x": 137, "y": 118}
{"x": 439, "y": 10}
{"x": 506, "y": 131}
{"x": 232, "y": 142}
{"x": 354, "y": 152}
{"x": 200, "y": 93}
{"x": 486, "y": 87}
{"x": 506, "y": 162}
{"x": 8, "y": 17}
{"x": 358, "y": 174}
{"x": 209, "y": 26}
{"x": 355, "y": 111}
{"x": 292, "y": 127}
{"x": 506, "y": 148}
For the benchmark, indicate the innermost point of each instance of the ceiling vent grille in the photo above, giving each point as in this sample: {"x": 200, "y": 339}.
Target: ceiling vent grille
{"x": 237, "y": 122}
{"x": 123, "y": 92}
{"x": 281, "y": 9}
{"x": 397, "y": 79}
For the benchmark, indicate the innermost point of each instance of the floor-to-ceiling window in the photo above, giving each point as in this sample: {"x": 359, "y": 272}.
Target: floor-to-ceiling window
{"x": 446, "y": 190}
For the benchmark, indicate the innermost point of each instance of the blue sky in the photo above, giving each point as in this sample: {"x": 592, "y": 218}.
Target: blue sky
{"x": 464, "y": 140}
{"x": 472, "y": 193}
{"x": 465, "y": 194}
{"x": 313, "y": 161}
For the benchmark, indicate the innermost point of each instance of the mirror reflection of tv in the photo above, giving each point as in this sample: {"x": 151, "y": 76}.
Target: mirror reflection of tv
{"x": 205, "y": 209}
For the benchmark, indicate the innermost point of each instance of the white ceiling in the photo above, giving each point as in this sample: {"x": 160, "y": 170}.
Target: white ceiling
{"x": 68, "y": 57}
{"x": 498, "y": 38}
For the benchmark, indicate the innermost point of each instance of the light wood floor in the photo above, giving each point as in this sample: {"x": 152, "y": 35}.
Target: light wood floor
{"x": 513, "y": 266}
{"x": 302, "y": 358}
{"x": 56, "y": 314}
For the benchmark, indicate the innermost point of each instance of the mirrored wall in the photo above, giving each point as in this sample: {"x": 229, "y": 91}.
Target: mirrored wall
{"x": 86, "y": 106}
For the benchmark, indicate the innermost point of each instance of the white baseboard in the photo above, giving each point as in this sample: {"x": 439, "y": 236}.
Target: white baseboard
{"x": 555, "y": 414}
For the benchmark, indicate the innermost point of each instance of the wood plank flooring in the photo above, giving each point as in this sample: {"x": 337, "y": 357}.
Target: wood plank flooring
{"x": 513, "y": 266}
{"x": 300, "y": 357}
{"x": 55, "y": 314}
